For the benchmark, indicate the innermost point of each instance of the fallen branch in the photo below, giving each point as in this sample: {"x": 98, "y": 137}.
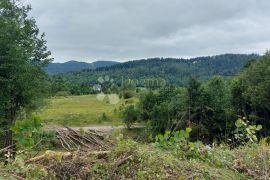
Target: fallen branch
{"x": 98, "y": 153}
{"x": 50, "y": 155}
{"x": 6, "y": 148}
{"x": 123, "y": 160}
{"x": 62, "y": 155}
{"x": 119, "y": 163}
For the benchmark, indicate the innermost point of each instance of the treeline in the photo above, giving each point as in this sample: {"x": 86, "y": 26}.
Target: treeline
{"x": 173, "y": 71}
{"x": 60, "y": 87}
{"x": 210, "y": 108}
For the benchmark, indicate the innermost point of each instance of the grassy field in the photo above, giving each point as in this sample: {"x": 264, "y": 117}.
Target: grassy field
{"x": 80, "y": 111}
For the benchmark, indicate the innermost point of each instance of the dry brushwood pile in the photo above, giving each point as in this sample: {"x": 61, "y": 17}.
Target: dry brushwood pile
{"x": 71, "y": 139}
{"x": 66, "y": 165}
{"x": 82, "y": 148}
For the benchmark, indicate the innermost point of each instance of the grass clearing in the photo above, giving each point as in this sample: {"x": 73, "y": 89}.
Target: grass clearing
{"x": 80, "y": 111}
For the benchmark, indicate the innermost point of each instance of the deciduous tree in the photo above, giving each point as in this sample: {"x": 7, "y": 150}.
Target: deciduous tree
{"x": 23, "y": 56}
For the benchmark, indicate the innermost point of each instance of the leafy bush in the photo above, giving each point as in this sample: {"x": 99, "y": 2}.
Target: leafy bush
{"x": 27, "y": 132}
{"x": 16, "y": 168}
{"x": 178, "y": 142}
{"x": 49, "y": 141}
{"x": 104, "y": 117}
{"x": 128, "y": 94}
{"x": 130, "y": 115}
{"x": 245, "y": 132}
{"x": 177, "y": 139}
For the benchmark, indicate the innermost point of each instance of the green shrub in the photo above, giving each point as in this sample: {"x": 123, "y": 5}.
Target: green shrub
{"x": 245, "y": 132}
{"x": 49, "y": 141}
{"x": 27, "y": 132}
{"x": 173, "y": 139}
{"x": 104, "y": 117}
{"x": 179, "y": 143}
{"x": 130, "y": 115}
{"x": 16, "y": 167}
{"x": 128, "y": 94}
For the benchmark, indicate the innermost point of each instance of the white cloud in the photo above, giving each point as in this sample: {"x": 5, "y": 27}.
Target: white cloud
{"x": 131, "y": 29}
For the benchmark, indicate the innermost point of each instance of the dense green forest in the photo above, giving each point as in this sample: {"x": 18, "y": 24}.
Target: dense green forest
{"x": 210, "y": 107}
{"x": 173, "y": 71}
{"x": 150, "y": 73}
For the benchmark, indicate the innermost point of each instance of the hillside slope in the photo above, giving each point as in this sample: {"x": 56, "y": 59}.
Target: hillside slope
{"x": 174, "y": 71}
{"x": 55, "y": 68}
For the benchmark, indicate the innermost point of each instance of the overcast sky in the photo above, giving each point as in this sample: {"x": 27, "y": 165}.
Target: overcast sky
{"x": 90, "y": 30}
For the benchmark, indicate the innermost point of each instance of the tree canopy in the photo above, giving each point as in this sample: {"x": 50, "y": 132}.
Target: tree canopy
{"x": 23, "y": 57}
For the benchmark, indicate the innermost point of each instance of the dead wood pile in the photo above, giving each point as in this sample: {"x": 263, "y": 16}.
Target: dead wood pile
{"x": 82, "y": 150}
{"x": 71, "y": 139}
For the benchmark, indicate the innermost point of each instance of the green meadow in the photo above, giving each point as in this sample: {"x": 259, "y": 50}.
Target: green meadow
{"x": 81, "y": 111}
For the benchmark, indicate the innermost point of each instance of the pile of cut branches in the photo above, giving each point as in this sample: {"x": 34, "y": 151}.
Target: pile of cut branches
{"x": 82, "y": 150}
{"x": 71, "y": 139}
{"x": 68, "y": 165}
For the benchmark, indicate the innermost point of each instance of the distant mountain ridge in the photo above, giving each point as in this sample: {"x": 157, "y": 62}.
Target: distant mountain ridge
{"x": 173, "y": 70}
{"x": 70, "y": 66}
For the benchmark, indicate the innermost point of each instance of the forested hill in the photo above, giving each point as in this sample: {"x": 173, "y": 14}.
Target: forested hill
{"x": 174, "y": 71}
{"x": 55, "y": 68}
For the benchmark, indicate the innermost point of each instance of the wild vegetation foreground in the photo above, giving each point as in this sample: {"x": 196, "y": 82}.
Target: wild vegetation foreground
{"x": 122, "y": 158}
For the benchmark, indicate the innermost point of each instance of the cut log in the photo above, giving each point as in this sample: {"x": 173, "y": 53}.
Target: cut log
{"x": 50, "y": 155}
